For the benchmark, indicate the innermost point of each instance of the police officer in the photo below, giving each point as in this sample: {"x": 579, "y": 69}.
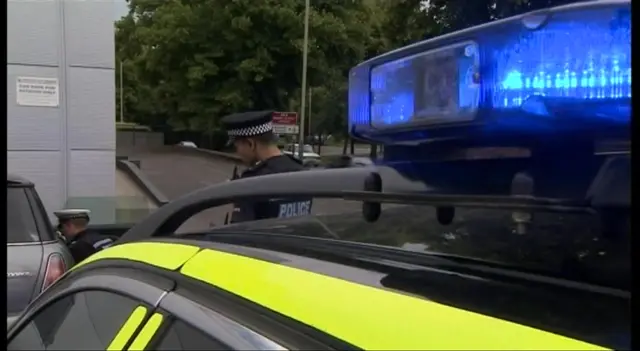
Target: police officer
{"x": 252, "y": 135}
{"x": 72, "y": 224}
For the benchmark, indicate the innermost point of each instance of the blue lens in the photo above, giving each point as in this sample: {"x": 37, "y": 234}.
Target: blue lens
{"x": 359, "y": 96}
{"x": 582, "y": 55}
{"x": 571, "y": 63}
{"x": 430, "y": 87}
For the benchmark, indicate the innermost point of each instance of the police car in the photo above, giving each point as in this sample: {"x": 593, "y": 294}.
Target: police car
{"x": 323, "y": 283}
{"x": 527, "y": 252}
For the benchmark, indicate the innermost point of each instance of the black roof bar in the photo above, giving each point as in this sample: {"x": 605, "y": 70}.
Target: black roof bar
{"x": 348, "y": 184}
{"x": 329, "y": 183}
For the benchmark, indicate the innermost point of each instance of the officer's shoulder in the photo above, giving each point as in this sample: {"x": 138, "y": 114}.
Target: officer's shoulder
{"x": 251, "y": 171}
{"x": 81, "y": 244}
{"x": 285, "y": 163}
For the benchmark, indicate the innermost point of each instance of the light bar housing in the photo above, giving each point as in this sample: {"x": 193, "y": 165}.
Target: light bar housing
{"x": 563, "y": 70}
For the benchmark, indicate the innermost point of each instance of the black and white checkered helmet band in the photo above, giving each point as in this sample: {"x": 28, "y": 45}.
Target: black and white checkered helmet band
{"x": 251, "y": 131}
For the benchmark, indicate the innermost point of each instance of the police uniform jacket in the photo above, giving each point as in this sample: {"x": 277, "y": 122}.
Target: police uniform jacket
{"x": 86, "y": 243}
{"x": 251, "y": 124}
{"x": 274, "y": 208}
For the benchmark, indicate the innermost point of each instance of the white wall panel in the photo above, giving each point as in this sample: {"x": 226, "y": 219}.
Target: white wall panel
{"x": 33, "y": 36}
{"x": 91, "y": 108}
{"x": 74, "y": 144}
{"x": 92, "y": 173}
{"x": 31, "y": 128}
{"x": 89, "y": 33}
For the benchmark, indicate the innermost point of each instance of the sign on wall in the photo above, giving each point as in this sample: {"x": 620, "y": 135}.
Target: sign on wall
{"x": 37, "y": 91}
{"x": 285, "y": 123}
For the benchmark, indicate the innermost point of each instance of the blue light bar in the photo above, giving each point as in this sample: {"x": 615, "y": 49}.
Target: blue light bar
{"x": 584, "y": 55}
{"x": 570, "y": 63}
{"x": 437, "y": 85}
{"x": 359, "y": 97}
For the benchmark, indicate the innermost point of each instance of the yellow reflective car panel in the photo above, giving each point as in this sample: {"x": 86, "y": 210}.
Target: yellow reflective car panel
{"x": 364, "y": 316}
{"x": 146, "y": 334}
{"x": 128, "y": 328}
{"x": 164, "y": 255}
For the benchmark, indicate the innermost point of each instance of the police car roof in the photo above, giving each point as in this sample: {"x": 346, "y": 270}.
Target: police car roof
{"x": 335, "y": 297}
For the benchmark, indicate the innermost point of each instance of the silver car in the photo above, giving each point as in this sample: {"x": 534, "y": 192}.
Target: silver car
{"x": 35, "y": 256}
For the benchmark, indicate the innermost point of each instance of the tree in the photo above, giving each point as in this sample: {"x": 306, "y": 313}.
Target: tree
{"x": 189, "y": 62}
{"x": 408, "y": 21}
{"x": 405, "y": 21}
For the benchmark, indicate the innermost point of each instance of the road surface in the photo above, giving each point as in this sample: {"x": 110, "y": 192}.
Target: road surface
{"x": 330, "y": 150}
{"x": 133, "y": 203}
{"x": 176, "y": 174}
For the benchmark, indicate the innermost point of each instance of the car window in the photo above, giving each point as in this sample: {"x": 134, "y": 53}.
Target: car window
{"x": 566, "y": 245}
{"x": 83, "y": 321}
{"x": 28, "y": 339}
{"x": 308, "y": 148}
{"x": 21, "y": 225}
{"x": 40, "y": 214}
{"x": 181, "y": 336}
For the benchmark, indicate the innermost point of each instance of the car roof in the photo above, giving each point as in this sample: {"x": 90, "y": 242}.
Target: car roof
{"x": 347, "y": 302}
{"x": 17, "y": 180}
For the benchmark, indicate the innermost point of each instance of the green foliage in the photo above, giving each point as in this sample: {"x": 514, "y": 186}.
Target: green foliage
{"x": 408, "y": 21}
{"x": 186, "y": 63}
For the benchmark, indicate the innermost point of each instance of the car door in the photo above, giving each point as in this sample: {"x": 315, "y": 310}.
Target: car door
{"x": 196, "y": 316}
{"x": 87, "y": 320}
{"x": 180, "y": 323}
{"x": 97, "y": 310}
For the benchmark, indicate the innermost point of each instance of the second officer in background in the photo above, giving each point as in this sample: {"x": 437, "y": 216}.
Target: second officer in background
{"x": 82, "y": 242}
{"x": 252, "y": 135}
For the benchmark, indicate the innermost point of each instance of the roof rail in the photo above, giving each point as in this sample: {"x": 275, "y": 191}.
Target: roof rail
{"x": 331, "y": 183}
{"x": 349, "y": 184}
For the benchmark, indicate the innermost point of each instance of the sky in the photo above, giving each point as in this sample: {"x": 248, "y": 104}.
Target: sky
{"x": 120, "y": 9}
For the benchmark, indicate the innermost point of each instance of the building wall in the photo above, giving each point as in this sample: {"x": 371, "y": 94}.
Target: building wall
{"x": 69, "y": 150}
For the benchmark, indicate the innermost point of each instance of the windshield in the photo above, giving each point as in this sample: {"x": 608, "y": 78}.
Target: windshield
{"x": 563, "y": 245}
{"x": 21, "y": 224}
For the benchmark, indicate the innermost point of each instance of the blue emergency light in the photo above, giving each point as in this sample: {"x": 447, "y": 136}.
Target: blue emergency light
{"x": 561, "y": 70}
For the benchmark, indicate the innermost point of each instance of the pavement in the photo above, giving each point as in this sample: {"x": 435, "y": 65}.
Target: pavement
{"x": 176, "y": 174}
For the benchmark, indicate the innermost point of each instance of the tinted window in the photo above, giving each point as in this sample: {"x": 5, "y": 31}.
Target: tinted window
{"x": 83, "y": 321}
{"x": 21, "y": 225}
{"x": 42, "y": 221}
{"x": 181, "y": 336}
{"x": 567, "y": 245}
